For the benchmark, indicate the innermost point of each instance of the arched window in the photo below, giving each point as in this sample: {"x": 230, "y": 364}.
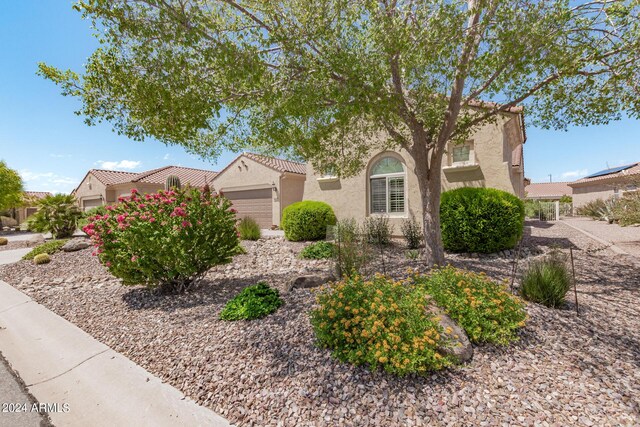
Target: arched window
{"x": 386, "y": 186}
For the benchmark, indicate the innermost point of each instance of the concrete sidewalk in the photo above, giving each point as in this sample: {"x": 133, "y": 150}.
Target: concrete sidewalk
{"x": 84, "y": 382}
{"x": 14, "y": 255}
{"x": 623, "y": 240}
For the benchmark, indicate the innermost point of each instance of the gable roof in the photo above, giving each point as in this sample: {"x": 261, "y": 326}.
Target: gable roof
{"x": 110, "y": 177}
{"x": 611, "y": 174}
{"x": 279, "y": 165}
{"x": 541, "y": 190}
{"x": 195, "y": 177}
{"x": 37, "y": 194}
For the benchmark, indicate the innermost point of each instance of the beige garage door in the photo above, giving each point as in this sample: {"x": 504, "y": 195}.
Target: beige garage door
{"x": 88, "y": 204}
{"x": 253, "y": 203}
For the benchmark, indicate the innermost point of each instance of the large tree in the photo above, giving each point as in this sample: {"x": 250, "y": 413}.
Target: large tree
{"x": 321, "y": 78}
{"x": 10, "y": 187}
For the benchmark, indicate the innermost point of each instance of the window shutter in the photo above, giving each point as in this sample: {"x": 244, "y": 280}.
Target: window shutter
{"x": 378, "y": 195}
{"x": 396, "y": 195}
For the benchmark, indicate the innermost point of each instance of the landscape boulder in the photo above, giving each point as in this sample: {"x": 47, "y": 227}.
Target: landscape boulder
{"x": 76, "y": 245}
{"x": 309, "y": 281}
{"x": 458, "y": 344}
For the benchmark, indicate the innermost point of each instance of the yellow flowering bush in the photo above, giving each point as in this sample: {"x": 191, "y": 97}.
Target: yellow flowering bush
{"x": 486, "y": 310}
{"x": 380, "y": 323}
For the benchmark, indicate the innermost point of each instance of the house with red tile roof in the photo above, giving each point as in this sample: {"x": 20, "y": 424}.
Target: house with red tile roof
{"x": 28, "y": 208}
{"x": 261, "y": 186}
{"x": 612, "y": 182}
{"x": 547, "y": 190}
{"x": 100, "y": 187}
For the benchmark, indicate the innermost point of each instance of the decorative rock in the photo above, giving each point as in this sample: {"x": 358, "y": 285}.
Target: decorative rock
{"x": 76, "y": 245}
{"x": 37, "y": 239}
{"x": 459, "y": 345}
{"x": 309, "y": 281}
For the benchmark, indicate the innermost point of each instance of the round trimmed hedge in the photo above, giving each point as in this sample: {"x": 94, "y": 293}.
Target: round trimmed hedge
{"x": 307, "y": 220}
{"x": 481, "y": 220}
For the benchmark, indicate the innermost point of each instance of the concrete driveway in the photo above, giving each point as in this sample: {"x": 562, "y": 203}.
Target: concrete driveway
{"x": 625, "y": 238}
{"x": 20, "y": 410}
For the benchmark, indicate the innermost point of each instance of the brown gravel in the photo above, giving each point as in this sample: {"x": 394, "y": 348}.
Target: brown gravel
{"x": 566, "y": 370}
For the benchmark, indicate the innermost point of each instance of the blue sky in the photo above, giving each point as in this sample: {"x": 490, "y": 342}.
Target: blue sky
{"x": 52, "y": 148}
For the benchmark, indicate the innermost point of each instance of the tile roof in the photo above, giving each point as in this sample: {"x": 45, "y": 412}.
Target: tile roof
{"x": 281, "y": 165}
{"x": 195, "y": 177}
{"x": 541, "y": 190}
{"x": 110, "y": 177}
{"x": 37, "y": 194}
{"x": 634, "y": 169}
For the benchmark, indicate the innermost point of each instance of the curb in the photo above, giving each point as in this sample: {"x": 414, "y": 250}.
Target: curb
{"x": 610, "y": 245}
{"x": 83, "y": 381}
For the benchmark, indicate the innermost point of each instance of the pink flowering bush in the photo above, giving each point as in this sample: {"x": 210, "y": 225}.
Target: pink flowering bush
{"x": 168, "y": 239}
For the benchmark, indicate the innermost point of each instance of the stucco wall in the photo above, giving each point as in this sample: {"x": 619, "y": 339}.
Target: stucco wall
{"x": 493, "y": 145}
{"x": 118, "y": 190}
{"x": 292, "y": 187}
{"x": 90, "y": 188}
{"x": 584, "y": 194}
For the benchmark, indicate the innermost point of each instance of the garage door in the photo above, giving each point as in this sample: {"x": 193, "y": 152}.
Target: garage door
{"x": 253, "y": 203}
{"x": 92, "y": 203}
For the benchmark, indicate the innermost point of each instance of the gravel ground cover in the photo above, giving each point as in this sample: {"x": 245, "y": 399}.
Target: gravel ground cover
{"x": 627, "y": 238}
{"x": 565, "y": 370}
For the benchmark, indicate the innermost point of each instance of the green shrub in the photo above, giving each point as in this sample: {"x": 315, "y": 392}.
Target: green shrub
{"x": 412, "y": 232}
{"x": 4, "y": 241}
{"x": 484, "y": 309}
{"x": 249, "y": 229}
{"x": 58, "y": 215}
{"x": 566, "y": 199}
{"x": 546, "y": 281}
{"x": 412, "y": 254}
{"x": 318, "y": 250}
{"x": 480, "y": 220}
{"x": 49, "y": 247}
{"x": 379, "y": 323}
{"x": 592, "y": 209}
{"x": 41, "y": 259}
{"x": 351, "y": 250}
{"x": 168, "y": 239}
{"x": 378, "y": 230}
{"x": 307, "y": 220}
{"x": 627, "y": 209}
{"x": 252, "y": 302}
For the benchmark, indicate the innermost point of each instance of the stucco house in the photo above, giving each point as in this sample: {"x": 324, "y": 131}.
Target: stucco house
{"x": 29, "y": 207}
{"x": 261, "y": 186}
{"x": 612, "y": 182}
{"x": 100, "y": 187}
{"x": 491, "y": 157}
{"x": 547, "y": 190}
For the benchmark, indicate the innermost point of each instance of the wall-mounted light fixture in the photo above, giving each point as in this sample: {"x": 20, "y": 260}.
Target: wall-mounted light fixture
{"x": 273, "y": 187}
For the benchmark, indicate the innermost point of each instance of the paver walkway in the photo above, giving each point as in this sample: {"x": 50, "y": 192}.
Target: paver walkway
{"x": 626, "y": 238}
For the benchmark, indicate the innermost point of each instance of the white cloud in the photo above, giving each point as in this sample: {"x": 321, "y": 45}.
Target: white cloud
{"x": 574, "y": 174}
{"x": 48, "y": 181}
{"x": 166, "y": 156}
{"x": 122, "y": 164}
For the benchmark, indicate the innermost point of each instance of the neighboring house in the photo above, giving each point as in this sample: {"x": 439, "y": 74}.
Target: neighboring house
{"x": 261, "y": 186}
{"x": 491, "y": 157}
{"x": 29, "y": 206}
{"x": 605, "y": 184}
{"x": 547, "y": 190}
{"x": 100, "y": 187}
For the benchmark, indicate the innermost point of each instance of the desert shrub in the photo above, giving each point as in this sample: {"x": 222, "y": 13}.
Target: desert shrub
{"x": 351, "y": 251}
{"x": 378, "y": 230}
{"x": 566, "y": 199}
{"x": 627, "y": 209}
{"x": 318, "y": 250}
{"x": 253, "y": 302}
{"x": 3, "y": 241}
{"x": 546, "y": 281}
{"x": 412, "y": 254}
{"x": 249, "y": 229}
{"x": 412, "y": 232}
{"x": 531, "y": 208}
{"x": 592, "y": 209}
{"x": 167, "y": 240}
{"x": 50, "y": 247}
{"x": 379, "y": 323}
{"x": 41, "y": 259}
{"x": 307, "y": 220}
{"x": 483, "y": 308}
{"x": 58, "y": 214}
{"x": 480, "y": 220}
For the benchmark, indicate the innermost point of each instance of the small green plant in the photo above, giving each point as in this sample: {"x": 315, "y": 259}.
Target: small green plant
{"x": 592, "y": 209}
{"x": 172, "y": 183}
{"x": 49, "y": 247}
{"x": 377, "y": 230}
{"x": 379, "y": 323}
{"x": 307, "y": 220}
{"x": 351, "y": 251}
{"x": 627, "y": 210}
{"x": 4, "y": 241}
{"x": 412, "y": 233}
{"x": 58, "y": 214}
{"x": 484, "y": 309}
{"x": 318, "y": 250}
{"x": 249, "y": 229}
{"x": 412, "y": 254}
{"x": 547, "y": 281}
{"x": 253, "y": 302}
{"x": 482, "y": 220}
{"x": 41, "y": 259}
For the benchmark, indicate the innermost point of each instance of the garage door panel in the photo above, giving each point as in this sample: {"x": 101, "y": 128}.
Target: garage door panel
{"x": 256, "y": 204}
{"x": 91, "y": 203}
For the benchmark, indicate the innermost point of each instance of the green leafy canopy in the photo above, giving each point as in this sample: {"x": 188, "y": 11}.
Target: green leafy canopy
{"x": 10, "y": 187}
{"x": 321, "y": 78}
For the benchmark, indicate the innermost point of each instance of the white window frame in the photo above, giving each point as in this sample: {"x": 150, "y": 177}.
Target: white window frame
{"x": 387, "y": 177}
{"x": 472, "y": 154}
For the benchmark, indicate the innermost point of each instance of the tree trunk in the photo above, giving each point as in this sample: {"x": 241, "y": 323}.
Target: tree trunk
{"x": 429, "y": 184}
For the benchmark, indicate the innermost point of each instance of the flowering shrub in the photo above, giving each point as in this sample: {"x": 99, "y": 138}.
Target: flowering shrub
{"x": 484, "y": 309}
{"x": 380, "y": 323}
{"x": 167, "y": 239}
